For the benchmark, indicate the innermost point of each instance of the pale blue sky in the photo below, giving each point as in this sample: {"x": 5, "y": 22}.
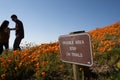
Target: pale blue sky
{"x": 45, "y": 20}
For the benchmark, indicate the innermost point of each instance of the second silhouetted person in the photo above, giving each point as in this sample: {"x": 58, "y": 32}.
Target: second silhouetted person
{"x": 19, "y": 32}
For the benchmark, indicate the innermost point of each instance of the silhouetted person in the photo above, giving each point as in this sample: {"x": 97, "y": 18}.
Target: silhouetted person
{"x": 19, "y": 32}
{"x": 4, "y": 36}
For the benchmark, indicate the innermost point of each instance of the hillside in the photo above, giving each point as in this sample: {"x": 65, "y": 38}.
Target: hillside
{"x": 106, "y": 38}
{"x": 43, "y": 62}
{"x": 106, "y": 49}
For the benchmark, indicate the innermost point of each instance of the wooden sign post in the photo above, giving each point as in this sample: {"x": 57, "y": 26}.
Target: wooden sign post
{"x": 76, "y": 49}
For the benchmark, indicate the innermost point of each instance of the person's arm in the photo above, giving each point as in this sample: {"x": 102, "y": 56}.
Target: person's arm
{"x": 7, "y": 30}
{"x": 16, "y": 28}
{"x": 12, "y": 28}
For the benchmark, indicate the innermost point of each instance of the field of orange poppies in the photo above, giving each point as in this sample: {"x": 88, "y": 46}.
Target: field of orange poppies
{"x": 42, "y": 62}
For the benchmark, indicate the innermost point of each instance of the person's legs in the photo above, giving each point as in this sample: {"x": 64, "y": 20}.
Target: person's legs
{"x": 6, "y": 45}
{"x": 17, "y": 43}
{"x": 1, "y": 48}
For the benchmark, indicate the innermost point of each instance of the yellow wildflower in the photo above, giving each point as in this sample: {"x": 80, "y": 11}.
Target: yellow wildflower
{"x": 118, "y": 64}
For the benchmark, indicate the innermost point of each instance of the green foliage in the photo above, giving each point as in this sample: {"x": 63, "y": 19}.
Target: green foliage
{"x": 53, "y": 67}
{"x": 50, "y": 64}
{"x": 105, "y": 65}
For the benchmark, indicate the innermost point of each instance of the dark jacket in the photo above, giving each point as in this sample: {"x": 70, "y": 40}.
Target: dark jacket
{"x": 19, "y": 29}
{"x": 4, "y": 35}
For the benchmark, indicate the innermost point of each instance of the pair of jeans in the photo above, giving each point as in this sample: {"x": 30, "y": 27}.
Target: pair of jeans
{"x": 6, "y": 45}
{"x": 16, "y": 45}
